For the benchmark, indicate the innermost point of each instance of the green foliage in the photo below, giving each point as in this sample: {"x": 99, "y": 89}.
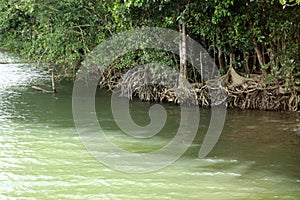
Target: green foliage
{"x": 60, "y": 31}
{"x": 144, "y": 57}
{"x": 64, "y": 31}
{"x": 285, "y": 2}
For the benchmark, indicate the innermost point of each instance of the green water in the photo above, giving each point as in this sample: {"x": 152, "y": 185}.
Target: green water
{"x": 42, "y": 157}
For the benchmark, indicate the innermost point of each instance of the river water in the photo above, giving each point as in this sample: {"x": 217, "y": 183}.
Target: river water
{"x": 42, "y": 157}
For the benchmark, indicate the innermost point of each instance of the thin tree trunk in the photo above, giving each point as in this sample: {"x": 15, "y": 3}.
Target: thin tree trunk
{"x": 232, "y": 60}
{"x": 276, "y": 53}
{"x": 246, "y": 65}
{"x": 220, "y": 59}
{"x": 220, "y": 54}
{"x": 283, "y": 49}
{"x": 201, "y": 68}
{"x": 214, "y": 51}
{"x": 257, "y": 51}
{"x": 272, "y": 58}
{"x": 53, "y": 81}
{"x": 226, "y": 61}
{"x": 263, "y": 54}
{"x": 260, "y": 59}
{"x": 182, "y": 53}
{"x": 254, "y": 61}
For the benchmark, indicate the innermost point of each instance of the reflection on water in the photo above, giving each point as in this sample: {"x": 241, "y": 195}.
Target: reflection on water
{"x": 41, "y": 156}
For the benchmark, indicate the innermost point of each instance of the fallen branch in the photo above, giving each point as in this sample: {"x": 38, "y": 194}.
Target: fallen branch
{"x": 15, "y": 62}
{"x": 53, "y": 85}
{"x": 41, "y": 89}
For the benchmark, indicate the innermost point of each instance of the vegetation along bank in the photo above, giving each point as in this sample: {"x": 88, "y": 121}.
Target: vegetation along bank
{"x": 255, "y": 44}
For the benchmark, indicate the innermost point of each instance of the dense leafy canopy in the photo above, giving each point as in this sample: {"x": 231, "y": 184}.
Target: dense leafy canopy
{"x": 251, "y": 36}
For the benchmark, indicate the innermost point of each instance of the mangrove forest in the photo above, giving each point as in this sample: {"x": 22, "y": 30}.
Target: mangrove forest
{"x": 255, "y": 44}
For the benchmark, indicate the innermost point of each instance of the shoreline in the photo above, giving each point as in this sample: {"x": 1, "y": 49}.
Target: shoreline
{"x": 242, "y": 93}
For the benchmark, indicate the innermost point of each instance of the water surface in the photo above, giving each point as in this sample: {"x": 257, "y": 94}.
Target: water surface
{"x": 42, "y": 157}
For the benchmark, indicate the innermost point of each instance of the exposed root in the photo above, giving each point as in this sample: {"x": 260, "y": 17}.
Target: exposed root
{"x": 233, "y": 89}
{"x": 232, "y": 79}
{"x": 253, "y": 93}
